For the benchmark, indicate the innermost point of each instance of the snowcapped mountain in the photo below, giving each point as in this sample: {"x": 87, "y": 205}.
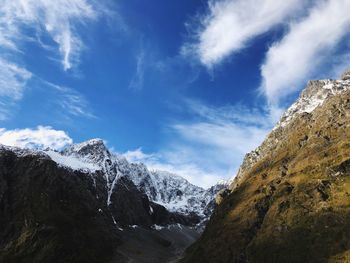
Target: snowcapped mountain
{"x": 311, "y": 98}
{"x": 169, "y": 190}
{"x": 291, "y": 190}
{"x": 173, "y": 192}
{"x": 82, "y": 202}
{"x": 316, "y": 92}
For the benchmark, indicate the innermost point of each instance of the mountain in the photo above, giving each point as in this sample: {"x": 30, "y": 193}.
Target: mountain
{"x": 290, "y": 201}
{"x": 86, "y": 204}
{"x": 171, "y": 191}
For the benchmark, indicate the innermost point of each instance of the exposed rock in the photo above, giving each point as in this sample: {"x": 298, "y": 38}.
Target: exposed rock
{"x": 290, "y": 200}
{"x": 346, "y": 75}
{"x": 53, "y": 214}
{"x": 173, "y": 192}
{"x": 50, "y": 214}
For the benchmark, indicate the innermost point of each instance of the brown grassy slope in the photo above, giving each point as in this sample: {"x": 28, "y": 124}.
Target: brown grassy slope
{"x": 293, "y": 205}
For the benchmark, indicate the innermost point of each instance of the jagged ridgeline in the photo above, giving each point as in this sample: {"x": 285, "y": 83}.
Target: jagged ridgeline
{"x": 86, "y": 204}
{"x": 290, "y": 201}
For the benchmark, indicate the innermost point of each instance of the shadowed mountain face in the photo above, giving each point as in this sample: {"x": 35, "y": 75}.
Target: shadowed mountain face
{"x": 54, "y": 214}
{"x": 50, "y": 214}
{"x": 57, "y": 207}
{"x": 291, "y": 199}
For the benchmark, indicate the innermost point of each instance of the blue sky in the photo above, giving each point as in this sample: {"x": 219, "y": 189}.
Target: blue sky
{"x": 187, "y": 86}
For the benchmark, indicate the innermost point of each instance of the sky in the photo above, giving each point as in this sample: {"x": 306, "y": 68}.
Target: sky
{"x": 187, "y": 86}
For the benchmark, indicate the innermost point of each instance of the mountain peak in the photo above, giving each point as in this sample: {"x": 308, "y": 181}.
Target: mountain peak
{"x": 293, "y": 187}
{"x": 346, "y": 75}
{"x": 92, "y": 142}
{"x": 314, "y": 95}
{"x": 94, "y": 149}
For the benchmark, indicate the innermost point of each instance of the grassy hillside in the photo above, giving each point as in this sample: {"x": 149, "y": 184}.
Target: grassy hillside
{"x": 293, "y": 205}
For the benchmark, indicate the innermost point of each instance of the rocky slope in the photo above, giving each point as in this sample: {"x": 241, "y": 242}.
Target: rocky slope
{"x": 87, "y": 205}
{"x": 290, "y": 201}
{"x": 50, "y": 214}
{"x": 173, "y": 192}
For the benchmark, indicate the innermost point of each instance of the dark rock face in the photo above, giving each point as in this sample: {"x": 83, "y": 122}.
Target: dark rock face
{"x": 129, "y": 206}
{"x": 53, "y": 214}
{"x": 49, "y": 214}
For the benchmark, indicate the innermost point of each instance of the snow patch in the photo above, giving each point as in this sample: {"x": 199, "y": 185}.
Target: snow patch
{"x": 157, "y": 227}
{"x": 72, "y": 162}
{"x": 312, "y": 97}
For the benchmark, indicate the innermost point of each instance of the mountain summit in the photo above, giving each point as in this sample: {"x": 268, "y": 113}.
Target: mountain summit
{"x": 290, "y": 199}
{"x": 87, "y": 204}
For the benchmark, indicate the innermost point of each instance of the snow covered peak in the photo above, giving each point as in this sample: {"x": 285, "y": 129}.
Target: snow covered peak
{"x": 346, "y": 75}
{"x": 93, "y": 150}
{"x": 96, "y": 144}
{"x": 167, "y": 189}
{"x": 316, "y": 92}
{"x": 312, "y": 97}
{"x": 173, "y": 192}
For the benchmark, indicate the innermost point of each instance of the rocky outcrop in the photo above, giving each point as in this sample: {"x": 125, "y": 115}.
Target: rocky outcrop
{"x": 290, "y": 201}
{"x": 346, "y": 75}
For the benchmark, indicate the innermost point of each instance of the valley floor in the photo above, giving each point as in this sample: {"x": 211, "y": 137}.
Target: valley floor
{"x": 155, "y": 246}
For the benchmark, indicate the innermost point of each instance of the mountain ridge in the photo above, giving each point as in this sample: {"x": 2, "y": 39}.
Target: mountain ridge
{"x": 171, "y": 191}
{"x": 290, "y": 199}
{"x": 56, "y": 206}
{"x": 313, "y": 96}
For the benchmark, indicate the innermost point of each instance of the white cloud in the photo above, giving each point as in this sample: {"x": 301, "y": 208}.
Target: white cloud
{"x": 69, "y": 101}
{"x": 56, "y": 18}
{"x": 12, "y": 82}
{"x": 22, "y": 21}
{"x": 309, "y": 42}
{"x": 225, "y": 134}
{"x": 41, "y": 137}
{"x": 229, "y": 25}
{"x": 211, "y": 146}
{"x": 138, "y": 155}
{"x": 136, "y": 82}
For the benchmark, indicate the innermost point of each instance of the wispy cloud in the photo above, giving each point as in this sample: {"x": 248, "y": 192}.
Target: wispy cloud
{"x": 137, "y": 80}
{"x": 315, "y": 29}
{"x": 223, "y": 133}
{"x": 211, "y": 145}
{"x": 138, "y": 155}
{"x": 40, "y": 137}
{"x": 229, "y": 25}
{"x": 69, "y": 101}
{"x": 58, "y": 19}
{"x": 13, "y": 79}
{"x": 171, "y": 161}
{"x": 309, "y": 42}
{"x": 29, "y": 20}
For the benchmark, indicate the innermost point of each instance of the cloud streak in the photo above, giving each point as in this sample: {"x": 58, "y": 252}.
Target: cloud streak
{"x": 23, "y": 21}
{"x": 309, "y": 42}
{"x": 58, "y": 19}
{"x": 209, "y": 147}
{"x": 69, "y": 100}
{"x": 137, "y": 80}
{"x": 229, "y": 25}
{"x": 13, "y": 79}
